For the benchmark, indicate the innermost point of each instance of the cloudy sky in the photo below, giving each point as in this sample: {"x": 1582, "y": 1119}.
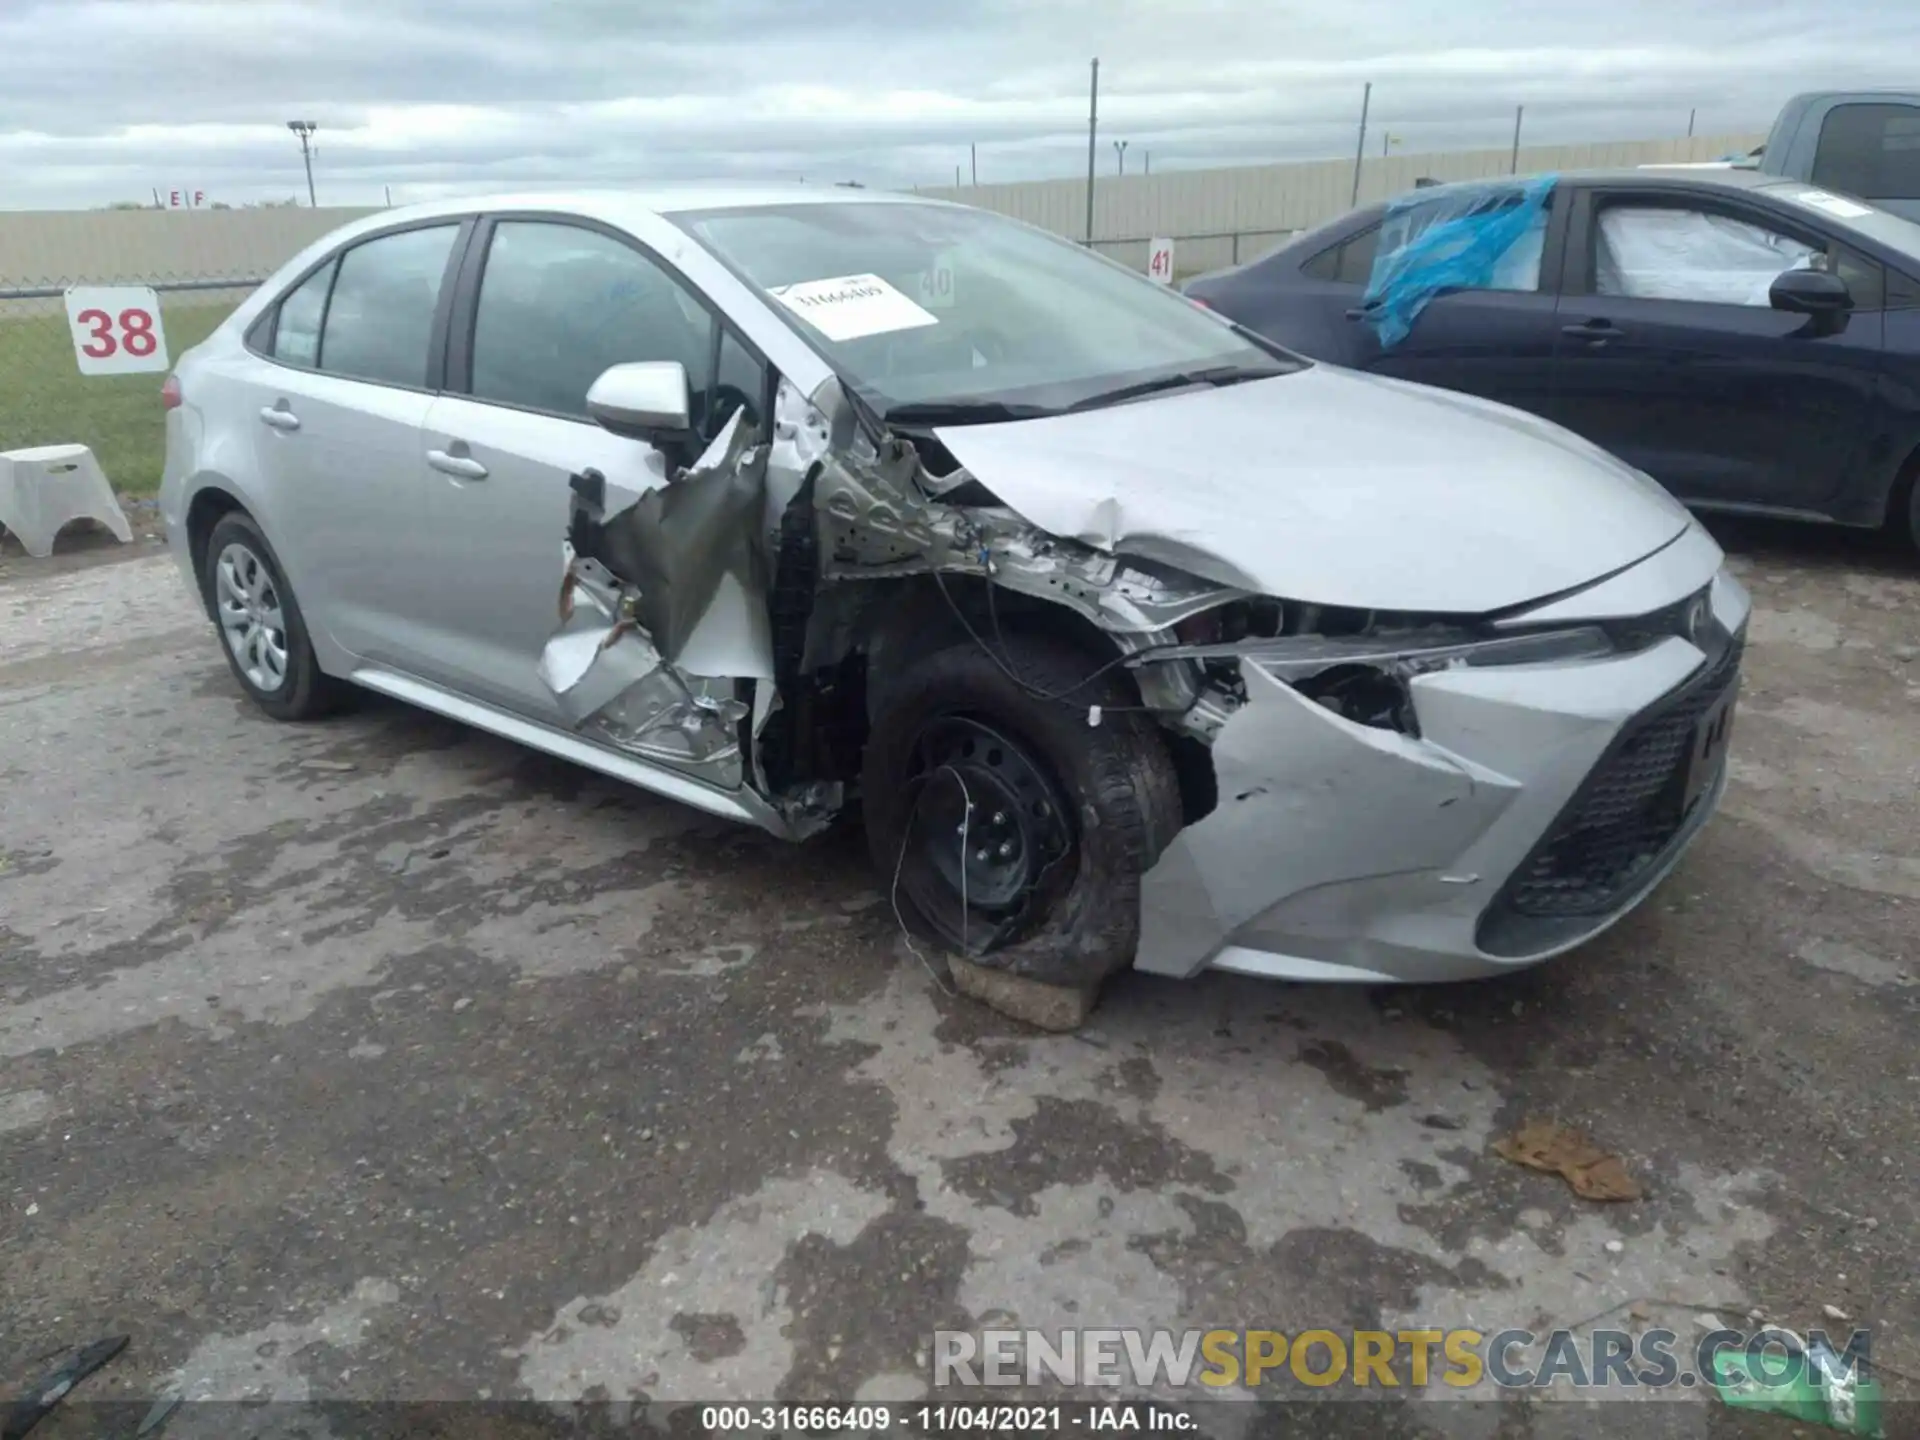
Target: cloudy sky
{"x": 105, "y": 100}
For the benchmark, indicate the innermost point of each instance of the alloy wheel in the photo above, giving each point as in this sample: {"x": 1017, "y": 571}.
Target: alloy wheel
{"x": 247, "y": 600}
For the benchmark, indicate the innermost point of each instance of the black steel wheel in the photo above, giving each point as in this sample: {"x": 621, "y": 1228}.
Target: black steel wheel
{"x": 987, "y": 834}
{"x": 1005, "y": 827}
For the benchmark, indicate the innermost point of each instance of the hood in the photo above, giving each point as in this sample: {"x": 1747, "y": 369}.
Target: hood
{"x": 1332, "y": 488}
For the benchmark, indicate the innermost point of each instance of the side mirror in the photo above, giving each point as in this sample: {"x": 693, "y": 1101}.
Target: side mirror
{"x": 1819, "y": 293}
{"x": 645, "y": 400}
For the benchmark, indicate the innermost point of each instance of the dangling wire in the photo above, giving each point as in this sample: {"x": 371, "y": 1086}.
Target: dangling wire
{"x": 900, "y": 860}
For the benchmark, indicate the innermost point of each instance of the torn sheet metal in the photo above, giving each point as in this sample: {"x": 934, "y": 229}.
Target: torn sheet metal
{"x": 611, "y": 683}
{"x": 1305, "y": 799}
{"x": 1265, "y": 486}
{"x": 1449, "y": 237}
{"x": 802, "y": 436}
{"x": 687, "y": 557}
{"x": 1115, "y": 593}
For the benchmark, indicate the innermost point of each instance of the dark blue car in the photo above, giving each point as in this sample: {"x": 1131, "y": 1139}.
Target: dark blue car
{"x": 1751, "y": 342}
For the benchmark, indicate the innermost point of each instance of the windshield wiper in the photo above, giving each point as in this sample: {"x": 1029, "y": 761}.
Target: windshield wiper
{"x": 964, "y": 412}
{"x": 1186, "y": 379}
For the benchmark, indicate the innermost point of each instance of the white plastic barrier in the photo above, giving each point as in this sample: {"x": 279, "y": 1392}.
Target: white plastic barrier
{"x": 44, "y": 488}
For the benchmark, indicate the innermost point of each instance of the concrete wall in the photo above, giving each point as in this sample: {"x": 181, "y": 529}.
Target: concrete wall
{"x": 1227, "y": 215}
{"x": 46, "y": 247}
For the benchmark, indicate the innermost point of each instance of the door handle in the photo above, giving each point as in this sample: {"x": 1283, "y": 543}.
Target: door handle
{"x": 1598, "y": 331}
{"x": 279, "y": 417}
{"x": 463, "y": 467}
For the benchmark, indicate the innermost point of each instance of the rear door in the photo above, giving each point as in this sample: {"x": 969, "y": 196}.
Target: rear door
{"x": 337, "y": 414}
{"x": 546, "y": 304}
{"x": 1671, "y": 355}
{"x": 1496, "y": 342}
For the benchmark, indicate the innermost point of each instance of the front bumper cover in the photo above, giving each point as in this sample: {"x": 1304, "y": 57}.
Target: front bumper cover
{"x": 1339, "y": 851}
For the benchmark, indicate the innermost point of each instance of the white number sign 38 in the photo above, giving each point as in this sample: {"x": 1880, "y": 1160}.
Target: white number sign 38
{"x": 116, "y": 329}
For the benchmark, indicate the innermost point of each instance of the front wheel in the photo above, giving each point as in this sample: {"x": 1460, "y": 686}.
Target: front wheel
{"x": 261, "y": 628}
{"x": 1008, "y": 829}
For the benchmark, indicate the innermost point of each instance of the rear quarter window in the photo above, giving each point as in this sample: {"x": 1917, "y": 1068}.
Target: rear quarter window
{"x": 1348, "y": 262}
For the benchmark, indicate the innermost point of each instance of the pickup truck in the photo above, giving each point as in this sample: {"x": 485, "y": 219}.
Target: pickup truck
{"x": 1864, "y": 143}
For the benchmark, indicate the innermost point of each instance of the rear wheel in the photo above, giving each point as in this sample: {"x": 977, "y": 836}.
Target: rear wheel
{"x": 261, "y": 628}
{"x": 1005, "y": 827}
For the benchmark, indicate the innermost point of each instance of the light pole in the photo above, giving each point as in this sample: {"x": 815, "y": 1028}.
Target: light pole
{"x": 1093, "y": 132}
{"x": 304, "y": 129}
{"x": 1360, "y": 150}
{"x": 1120, "y": 157}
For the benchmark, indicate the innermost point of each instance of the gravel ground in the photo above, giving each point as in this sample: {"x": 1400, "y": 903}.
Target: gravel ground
{"x": 379, "y": 1058}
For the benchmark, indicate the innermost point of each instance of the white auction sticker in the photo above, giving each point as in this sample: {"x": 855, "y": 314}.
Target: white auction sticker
{"x": 116, "y": 329}
{"x": 848, "y": 307}
{"x": 1835, "y": 205}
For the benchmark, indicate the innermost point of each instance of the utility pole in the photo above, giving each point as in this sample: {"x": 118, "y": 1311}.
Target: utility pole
{"x": 956, "y": 177}
{"x": 973, "y": 160}
{"x": 1691, "y": 114}
{"x": 1146, "y": 162}
{"x": 1360, "y": 152}
{"x": 1093, "y": 133}
{"x": 1120, "y": 157}
{"x": 304, "y": 129}
{"x": 1513, "y": 164}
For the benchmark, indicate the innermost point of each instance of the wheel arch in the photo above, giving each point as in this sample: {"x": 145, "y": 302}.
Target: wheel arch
{"x": 931, "y": 613}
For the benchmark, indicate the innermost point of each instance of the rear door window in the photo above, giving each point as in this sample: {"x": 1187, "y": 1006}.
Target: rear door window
{"x": 1870, "y": 150}
{"x": 379, "y": 320}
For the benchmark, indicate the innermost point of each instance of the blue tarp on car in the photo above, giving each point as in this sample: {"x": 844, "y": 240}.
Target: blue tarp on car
{"x": 1451, "y": 237}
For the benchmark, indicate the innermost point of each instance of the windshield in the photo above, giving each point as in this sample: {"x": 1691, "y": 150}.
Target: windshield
{"x": 932, "y": 308}
{"x": 1861, "y": 216}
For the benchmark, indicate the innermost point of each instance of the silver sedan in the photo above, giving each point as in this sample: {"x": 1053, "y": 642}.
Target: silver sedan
{"x": 1134, "y": 639}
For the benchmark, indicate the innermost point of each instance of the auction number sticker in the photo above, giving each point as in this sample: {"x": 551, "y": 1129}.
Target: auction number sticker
{"x": 116, "y": 329}
{"x": 849, "y": 307}
{"x": 1836, "y": 205}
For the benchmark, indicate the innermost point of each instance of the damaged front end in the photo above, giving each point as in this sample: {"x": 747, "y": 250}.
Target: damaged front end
{"x": 1354, "y": 787}
{"x": 719, "y": 618}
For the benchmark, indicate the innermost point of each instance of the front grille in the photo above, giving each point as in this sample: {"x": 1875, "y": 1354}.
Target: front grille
{"x": 1621, "y": 825}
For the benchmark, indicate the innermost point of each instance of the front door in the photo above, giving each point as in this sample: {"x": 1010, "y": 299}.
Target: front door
{"x": 1671, "y": 356}
{"x": 557, "y": 303}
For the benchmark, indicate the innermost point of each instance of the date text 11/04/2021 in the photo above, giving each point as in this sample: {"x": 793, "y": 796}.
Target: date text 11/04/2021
{"x": 941, "y": 1419}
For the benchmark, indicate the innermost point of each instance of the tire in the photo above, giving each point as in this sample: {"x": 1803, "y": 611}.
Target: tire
{"x": 1099, "y": 805}
{"x": 246, "y": 593}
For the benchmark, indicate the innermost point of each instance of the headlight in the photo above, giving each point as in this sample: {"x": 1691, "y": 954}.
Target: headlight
{"x": 1363, "y": 678}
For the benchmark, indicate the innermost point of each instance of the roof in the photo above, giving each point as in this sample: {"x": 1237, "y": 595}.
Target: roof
{"x": 615, "y": 204}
